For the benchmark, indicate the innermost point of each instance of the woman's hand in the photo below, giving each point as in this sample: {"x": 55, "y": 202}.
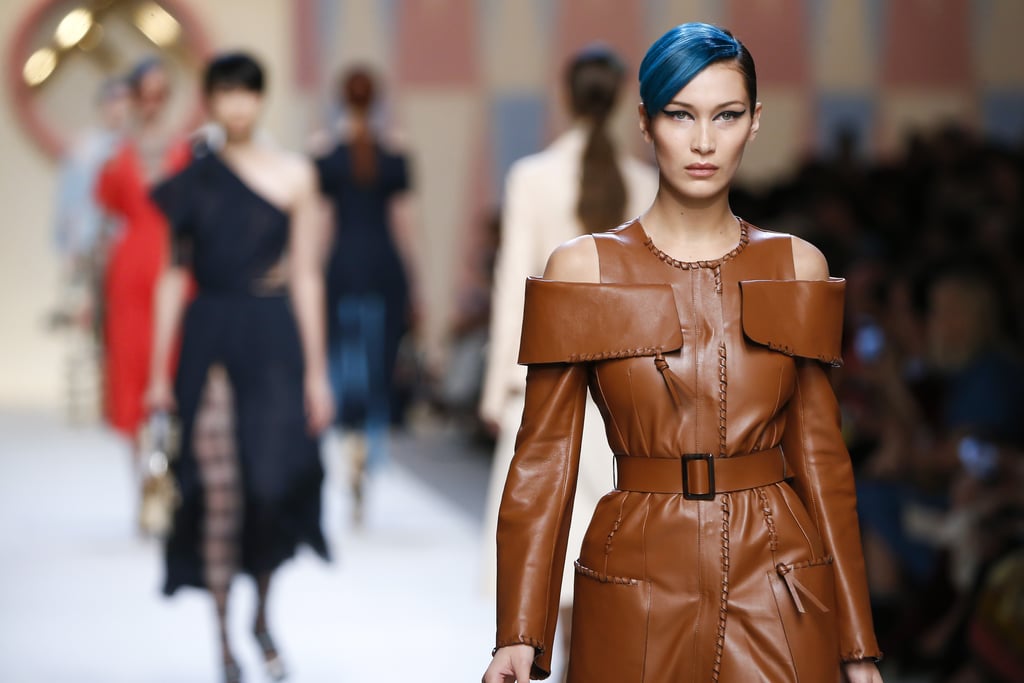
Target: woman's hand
{"x": 511, "y": 664}
{"x": 159, "y": 396}
{"x": 319, "y": 404}
{"x": 862, "y": 671}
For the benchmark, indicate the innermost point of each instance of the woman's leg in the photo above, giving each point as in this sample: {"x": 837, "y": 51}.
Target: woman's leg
{"x": 260, "y": 623}
{"x": 214, "y": 439}
{"x": 261, "y": 629}
{"x": 361, "y": 416}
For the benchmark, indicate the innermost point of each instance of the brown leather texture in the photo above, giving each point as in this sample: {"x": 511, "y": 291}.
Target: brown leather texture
{"x": 765, "y": 583}
{"x": 620, "y": 321}
{"x": 774, "y": 313}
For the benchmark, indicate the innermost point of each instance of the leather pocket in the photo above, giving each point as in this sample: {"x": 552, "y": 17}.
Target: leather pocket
{"x": 805, "y": 597}
{"x": 609, "y": 628}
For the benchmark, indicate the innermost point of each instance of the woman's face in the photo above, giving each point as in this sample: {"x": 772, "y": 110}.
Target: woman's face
{"x": 237, "y": 110}
{"x": 152, "y": 93}
{"x": 700, "y": 135}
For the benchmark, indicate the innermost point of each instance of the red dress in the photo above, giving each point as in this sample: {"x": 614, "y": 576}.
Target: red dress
{"x": 133, "y": 266}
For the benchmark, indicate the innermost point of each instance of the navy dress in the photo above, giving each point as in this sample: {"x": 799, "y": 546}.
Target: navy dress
{"x": 367, "y": 288}
{"x": 240, "y": 320}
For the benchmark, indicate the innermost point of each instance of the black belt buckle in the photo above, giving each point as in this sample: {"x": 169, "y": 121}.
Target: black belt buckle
{"x": 709, "y": 459}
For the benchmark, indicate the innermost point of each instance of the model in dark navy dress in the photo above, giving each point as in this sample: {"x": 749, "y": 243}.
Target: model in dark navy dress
{"x": 241, "y": 320}
{"x": 367, "y": 286}
{"x": 251, "y": 387}
{"x": 365, "y": 264}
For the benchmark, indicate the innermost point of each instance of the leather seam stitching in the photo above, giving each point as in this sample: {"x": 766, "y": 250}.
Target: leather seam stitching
{"x": 604, "y": 578}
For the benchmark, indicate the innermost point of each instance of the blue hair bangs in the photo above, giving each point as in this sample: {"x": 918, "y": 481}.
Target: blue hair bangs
{"x": 679, "y": 55}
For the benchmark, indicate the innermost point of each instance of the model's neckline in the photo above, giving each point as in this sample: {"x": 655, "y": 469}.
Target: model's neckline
{"x": 249, "y": 188}
{"x": 689, "y": 265}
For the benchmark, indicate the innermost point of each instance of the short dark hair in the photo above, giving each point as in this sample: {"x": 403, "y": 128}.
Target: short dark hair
{"x": 233, "y": 70}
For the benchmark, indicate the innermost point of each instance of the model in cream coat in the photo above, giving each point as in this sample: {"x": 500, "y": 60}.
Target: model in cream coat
{"x": 541, "y": 193}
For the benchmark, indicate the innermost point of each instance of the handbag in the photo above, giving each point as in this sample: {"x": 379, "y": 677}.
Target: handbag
{"x": 158, "y": 442}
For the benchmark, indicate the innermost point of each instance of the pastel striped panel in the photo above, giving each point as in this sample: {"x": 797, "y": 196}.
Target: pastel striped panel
{"x": 307, "y": 45}
{"x": 927, "y": 44}
{"x": 518, "y": 129}
{"x": 483, "y": 196}
{"x": 905, "y": 110}
{"x": 1003, "y": 116}
{"x": 444, "y": 128}
{"x": 437, "y": 42}
{"x": 775, "y": 32}
{"x": 327, "y": 17}
{"x": 999, "y": 53}
{"x": 584, "y": 22}
{"x": 664, "y": 14}
{"x": 516, "y": 45}
{"x": 846, "y": 113}
{"x": 361, "y": 35}
{"x": 784, "y": 134}
{"x": 581, "y": 22}
{"x": 843, "y": 45}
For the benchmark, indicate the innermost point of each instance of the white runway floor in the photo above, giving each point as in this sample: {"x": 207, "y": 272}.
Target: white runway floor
{"x": 79, "y": 599}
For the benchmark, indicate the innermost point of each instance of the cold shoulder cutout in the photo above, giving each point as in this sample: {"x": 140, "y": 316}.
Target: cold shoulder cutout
{"x": 808, "y": 261}
{"x": 574, "y": 261}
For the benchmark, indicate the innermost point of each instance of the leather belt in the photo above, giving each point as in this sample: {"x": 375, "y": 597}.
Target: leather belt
{"x": 700, "y": 476}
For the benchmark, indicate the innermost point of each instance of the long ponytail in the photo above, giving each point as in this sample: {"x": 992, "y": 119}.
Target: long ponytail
{"x": 358, "y": 92}
{"x": 594, "y": 77}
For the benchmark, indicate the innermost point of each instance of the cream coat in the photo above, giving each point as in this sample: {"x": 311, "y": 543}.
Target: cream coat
{"x": 539, "y": 214}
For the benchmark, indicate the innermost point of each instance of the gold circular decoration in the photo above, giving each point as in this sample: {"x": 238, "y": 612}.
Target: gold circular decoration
{"x": 63, "y": 50}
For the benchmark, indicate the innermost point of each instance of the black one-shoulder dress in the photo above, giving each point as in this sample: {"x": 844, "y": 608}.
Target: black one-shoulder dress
{"x": 239, "y": 326}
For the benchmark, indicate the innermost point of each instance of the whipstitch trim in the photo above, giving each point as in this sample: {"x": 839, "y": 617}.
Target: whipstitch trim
{"x": 604, "y": 578}
{"x": 691, "y": 265}
{"x": 613, "y": 355}
{"x": 723, "y": 605}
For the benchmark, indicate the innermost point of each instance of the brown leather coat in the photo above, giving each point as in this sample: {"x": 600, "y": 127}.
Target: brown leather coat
{"x": 759, "y": 578}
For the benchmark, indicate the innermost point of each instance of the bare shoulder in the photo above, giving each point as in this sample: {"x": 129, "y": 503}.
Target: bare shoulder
{"x": 574, "y": 261}
{"x": 808, "y": 261}
{"x": 395, "y": 141}
{"x": 296, "y": 170}
{"x": 320, "y": 142}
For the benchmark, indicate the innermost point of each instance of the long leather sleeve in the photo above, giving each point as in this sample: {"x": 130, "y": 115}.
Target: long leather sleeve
{"x": 823, "y": 479}
{"x": 533, "y": 522}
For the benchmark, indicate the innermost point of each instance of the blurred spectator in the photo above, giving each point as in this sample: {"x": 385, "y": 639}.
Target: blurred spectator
{"x": 933, "y": 387}
{"x": 81, "y": 225}
{"x": 81, "y": 232}
{"x": 148, "y": 153}
{"x": 368, "y": 291}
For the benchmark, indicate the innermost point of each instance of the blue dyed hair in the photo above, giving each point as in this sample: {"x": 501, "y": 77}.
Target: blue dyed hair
{"x": 682, "y": 53}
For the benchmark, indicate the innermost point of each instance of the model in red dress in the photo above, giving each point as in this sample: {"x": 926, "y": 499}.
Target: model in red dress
{"x": 138, "y": 254}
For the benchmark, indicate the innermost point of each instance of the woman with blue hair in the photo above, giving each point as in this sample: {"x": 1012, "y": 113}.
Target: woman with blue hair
{"x": 729, "y": 549}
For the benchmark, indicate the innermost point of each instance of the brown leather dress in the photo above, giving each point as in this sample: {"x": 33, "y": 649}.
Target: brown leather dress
{"x": 696, "y": 567}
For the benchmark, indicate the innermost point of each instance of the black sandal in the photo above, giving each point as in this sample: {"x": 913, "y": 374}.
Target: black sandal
{"x": 271, "y": 658}
{"x": 232, "y": 672}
